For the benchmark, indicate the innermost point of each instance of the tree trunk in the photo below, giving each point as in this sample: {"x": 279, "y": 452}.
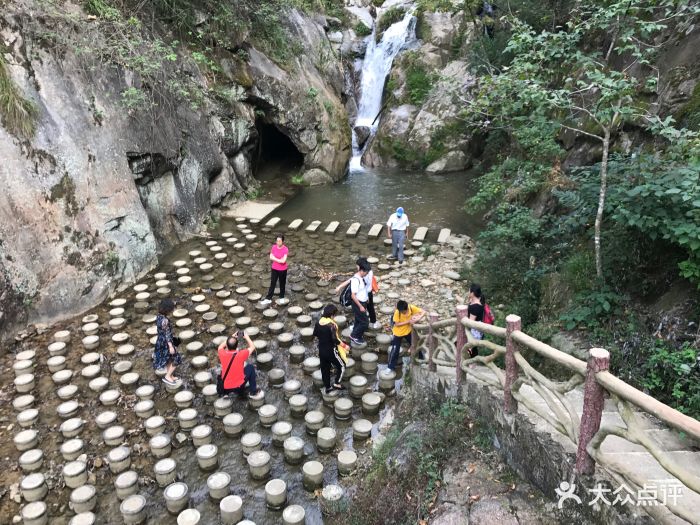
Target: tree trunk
{"x": 601, "y": 203}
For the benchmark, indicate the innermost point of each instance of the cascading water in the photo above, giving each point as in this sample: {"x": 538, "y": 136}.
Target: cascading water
{"x": 375, "y": 68}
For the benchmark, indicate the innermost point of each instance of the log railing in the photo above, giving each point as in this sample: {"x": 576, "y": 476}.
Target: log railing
{"x": 447, "y": 344}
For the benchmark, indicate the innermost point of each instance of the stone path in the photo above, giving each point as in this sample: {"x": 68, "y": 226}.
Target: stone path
{"x": 618, "y": 450}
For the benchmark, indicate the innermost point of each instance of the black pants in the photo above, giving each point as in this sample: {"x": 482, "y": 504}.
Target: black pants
{"x": 370, "y": 309}
{"x": 274, "y": 276}
{"x": 361, "y": 321}
{"x": 331, "y": 358}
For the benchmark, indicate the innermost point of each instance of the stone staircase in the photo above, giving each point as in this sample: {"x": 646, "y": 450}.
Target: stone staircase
{"x": 616, "y": 450}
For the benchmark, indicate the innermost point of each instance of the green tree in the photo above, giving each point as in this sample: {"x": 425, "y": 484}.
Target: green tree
{"x": 559, "y": 77}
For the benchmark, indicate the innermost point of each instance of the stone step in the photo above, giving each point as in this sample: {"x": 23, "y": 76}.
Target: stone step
{"x": 313, "y": 226}
{"x": 375, "y": 230}
{"x": 295, "y": 224}
{"x": 444, "y": 235}
{"x": 420, "y": 234}
{"x": 332, "y": 227}
{"x": 353, "y": 229}
{"x": 274, "y": 221}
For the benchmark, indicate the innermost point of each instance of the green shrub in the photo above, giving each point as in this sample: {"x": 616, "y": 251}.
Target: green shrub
{"x": 362, "y": 30}
{"x": 593, "y": 308}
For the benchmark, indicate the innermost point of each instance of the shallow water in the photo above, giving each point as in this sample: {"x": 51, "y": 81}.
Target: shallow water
{"x": 370, "y": 196}
{"x": 313, "y": 257}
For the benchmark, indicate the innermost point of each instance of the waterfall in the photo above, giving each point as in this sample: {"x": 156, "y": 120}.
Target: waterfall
{"x": 375, "y": 68}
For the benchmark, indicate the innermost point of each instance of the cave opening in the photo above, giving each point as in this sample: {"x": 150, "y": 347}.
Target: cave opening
{"x": 277, "y": 154}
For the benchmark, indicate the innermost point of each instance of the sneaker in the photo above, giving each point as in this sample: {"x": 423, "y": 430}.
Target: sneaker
{"x": 330, "y": 391}
{"x": 391, "y": 257}
{"x": 266, "y": 301}
{"x": 260, "y": 394}
{"x": 400, "y": 262}
{"x": 168, "y": 381}
{"x": 357, "y": 341}
{"x": 376, "y": 325}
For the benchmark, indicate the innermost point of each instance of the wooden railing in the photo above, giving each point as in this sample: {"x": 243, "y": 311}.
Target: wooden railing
{"x": 446, "y": 343}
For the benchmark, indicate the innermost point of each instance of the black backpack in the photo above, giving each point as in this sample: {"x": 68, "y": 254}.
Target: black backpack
{"x": 346, "y": 295}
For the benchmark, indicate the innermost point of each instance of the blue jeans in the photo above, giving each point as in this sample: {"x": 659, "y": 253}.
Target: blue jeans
{"x": 398, "y": 239}
{"x": 250, "y": 381}
{"x": 396, "y": 348}
{"x": 361, "y": 321}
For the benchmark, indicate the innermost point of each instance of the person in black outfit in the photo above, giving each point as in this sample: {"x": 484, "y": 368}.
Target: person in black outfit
{"x": 326, "y": 331}
{"x": 475, "y": 311}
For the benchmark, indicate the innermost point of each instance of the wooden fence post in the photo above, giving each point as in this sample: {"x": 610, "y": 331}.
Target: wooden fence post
{"x": 432, "y": 341}
{"x": 461, "y": 312}
{"x": 512, "y": 324}
{"x": 593, "y": 401}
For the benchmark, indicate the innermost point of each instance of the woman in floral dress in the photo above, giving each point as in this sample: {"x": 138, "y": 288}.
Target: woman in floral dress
{"x": 166, "y": 355}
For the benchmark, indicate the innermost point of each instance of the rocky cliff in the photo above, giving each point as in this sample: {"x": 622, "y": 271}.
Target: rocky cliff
{"x": 136, "y": 136}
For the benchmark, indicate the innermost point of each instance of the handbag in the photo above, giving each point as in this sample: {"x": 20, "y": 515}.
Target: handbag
{"x": 220, "y": 380}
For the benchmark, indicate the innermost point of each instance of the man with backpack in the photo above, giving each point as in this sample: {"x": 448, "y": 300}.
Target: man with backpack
{"x": 372, "y": 287}
{"x": 235, "y": 373}
{"x": 359, "y": 301}
{"x": 403, "y": 319}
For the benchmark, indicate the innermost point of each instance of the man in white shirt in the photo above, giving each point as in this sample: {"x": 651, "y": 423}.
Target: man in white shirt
{"x": 359, "y": 304}
{"x": 397, "y": 231}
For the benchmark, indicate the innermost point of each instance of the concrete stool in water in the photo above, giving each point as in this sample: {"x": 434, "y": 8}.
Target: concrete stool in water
{"x": 275, "y": 377}
{"x": 296, "y": 353}
{"x": 160, "y": 445}
{"x": 201, "y": 435}
{"x": 231, "y": 508}
{"x": 126, "y": 484}
{"x": 33, "y": 459}
{"x": 83, "y": 498}
{"x": 187, "y": 418}
{"x": 113, "y": 436}
{"x": 369, "y": 363}
{"x": 294, "y": 515}
{"x": 267, "y": 415}
{"x": 70, "y": 428}
{"x": 119, "y": 459}
{"x": 370, "y": 404}
{"x": 207, "y": 457}
{"x": 105, "y": 419}
{"x": 66, "y": 392}
{"x": 293, "y": 450}
{"x": 154, "y": 425}
{"x": 71, "y": 449}
{"x": 312, "y": 475}
{"x": 62, "y": 336}
{"x": 188, "y": 516}
{"x": 133, "y": 509}
{"x": 33, "y": 487}
{"x": 83, "y": 518}
{"x": 259, "y": 464}
{"x": 285, "y": 339}
{"x": 326, "y": 439}
{"x": 307, "y": 333}
{"x": 25, "y": 382}
{"x": 28, "y": 417}
{"x": 165, "y": 471}
{"x": 347, "y": 460}
{"x": 110, "y": 398}
{"x": 276, "y": 493}
{"x": 26, "y": 439}
{"x": 35, "y": 513}
{"x": 218, "y": 485}
{"x": 183, "y": 399}
{"x": 291, "y": 387}
{"x": 361, "y": 429}
{"x": 343, "y": 408}
{"x": 311, "y": 364}
{"x": 176, "y": 497}
{"x": 358, "y": 386}
{"x": 222, "y": 407}
{"x": 280, "y": 432}
{"x": 75, "y": 474}
{"x": 233, "y": 424}
{"x": 387, "y": 380}
{"x": 317, "y": 378}
{"x": 251, "y": 442}
{"x": 298, "y": 405}
{"x": 210, "y": 393}
{"x": 333, "y": 500}
{"x": 264, "y": 360}
{"x": 314, "y": 421}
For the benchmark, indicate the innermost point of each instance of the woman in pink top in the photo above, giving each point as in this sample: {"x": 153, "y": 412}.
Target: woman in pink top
{"x": 278, "y": 256}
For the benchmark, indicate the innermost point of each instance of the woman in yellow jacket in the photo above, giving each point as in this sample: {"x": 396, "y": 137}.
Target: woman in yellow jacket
{"x": 402, "y": 321}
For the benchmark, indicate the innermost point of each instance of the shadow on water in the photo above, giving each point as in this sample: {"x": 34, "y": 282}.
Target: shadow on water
{"x": 370, "y": 196}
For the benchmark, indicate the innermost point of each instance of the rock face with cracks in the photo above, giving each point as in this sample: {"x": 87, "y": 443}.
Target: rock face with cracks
{"x": 101, "y": 188}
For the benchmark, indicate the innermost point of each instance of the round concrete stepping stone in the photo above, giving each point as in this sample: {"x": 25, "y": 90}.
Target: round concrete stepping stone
{"x": 347, "y": 460}
{"x": 34, "y": 513}
{"x": 233, "y": 424}
{"x": 342, "y": 408}
{"x": 208, "y": 456}
{"x": 206, "y": 267}
{"x": 126, "y": 484}
{"x": 31, "y": 460}
{"x": 199, "y": 298}
{"x": 253, "y": 297}
{"x": 122, "y": 367}
{"x": 185, "y": 335}
{"x": 182, "y": 271}
{"x": 23, "y": 402}
{"x": 83, "y": 498}
{"x": 219, "y": 328}
{"x": 165, "y": 471}
{"x": 264, "y": 360}
{"x": 145, "y": 392}
{"x": 314, "y": 421}
{"x": 154, "y": 425}
{"x": 112, "y": 436}
{"x": 332, "y": 500}
{"x": 276, "y": 327}
{"x": 61, "y": 377}
{"x": 116, "y": 313}
{"x": 105, "y": 419}
{"x": 180, "y": 312}
{"x": 109, "y": 397}
{"x": 259, "y": 464}
{"x": 75, "y": 474}
{"x": 306, "y": 333}
{"x": 236, "y": 310}
{"x": 310, "y": 297}
{"x": 133, "y": 509}
{"x": 291, "y": 387}
{"x": 121, "y": 337}
{"x": 285, "y": 338}
{"x": 184, "y": 279}
{"x": 316, "y": 305}
{"x": 194, "y": 346}
{"x": 27, "y": 355}
{"x": 67, "y": 409}
{"x": 219, "y": 485}
{"x": 311, "y": 364}
{"x": 251, "y": 442}
{"x": 183, "y": 323}
{"x": 317, "y": 378}
{"x": 91, "y": 342}
{"x": 55, "y": 363}
{"x": 176, "y": 497}
{"x": 371, "y": 403}
{"x": 25, "y": 382}
{"x": 33, "y": 487}
{"x": 296, "y": 353}
{"x": 222, "y": 406}
{"x": 358, "y": 386}
{"x": 62, "y": 336}
{"x": 282, "y": 301}
{"x": 129, "y": 379}
{"x": 223, "y": 294}
{"x": 231, "y": 510}
{"x": 293, "y": 450}
{"x": 325, "y": 439}
{"x": 72, "y": 449}
{"x": 242, "y": 322}
{"x": 200, "y": 361}
{"x": 270, "y": 313}
{"x": 119, "y": 459}
{"x": 242, "y": 290}
{"x": 368, "y": 363}
{"x": 267, "y": 415}
{"x": 126, "y": 350}
{"x": 183, "y": 399}
{"x": 361, "y": 429}
{"x": 252, "y": 331}
{"x": 28, "y": 417}
{"x": 201, "y": 379}
{"x": 55, "y": 349}
{"x": 294, "y": 515}
{"x": 312, "y": 475}
{"x": 71, "y": 427}
{"x": 201, "y": 435}
{"x": 281, "y": 430}
{"x": 341, "y": 321}
{"x": 276, "y": 493}
{"x": 117, "y": 323}
{"x": 160, "y": 445}
{"x": 202, "y": 308}
{"x": 295, "y": 310}
{"x": 304, "y": 320}
{"x": 275, "y": 377}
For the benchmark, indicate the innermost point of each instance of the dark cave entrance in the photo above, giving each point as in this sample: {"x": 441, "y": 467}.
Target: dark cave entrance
{"x": 278, "y": 157}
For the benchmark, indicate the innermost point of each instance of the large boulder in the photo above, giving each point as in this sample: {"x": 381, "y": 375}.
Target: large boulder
{"x": 453, "y": 161}
{"x": 362, "y": 134}
{"x": 316, "y": 177}
{"x": 443, "y": 28}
